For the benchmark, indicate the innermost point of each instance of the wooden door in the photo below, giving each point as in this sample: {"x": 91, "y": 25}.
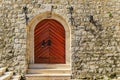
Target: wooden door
{"x": 49, "y": 42}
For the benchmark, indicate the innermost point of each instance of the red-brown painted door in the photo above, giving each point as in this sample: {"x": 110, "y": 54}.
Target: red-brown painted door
{"x": 49, "y": 42}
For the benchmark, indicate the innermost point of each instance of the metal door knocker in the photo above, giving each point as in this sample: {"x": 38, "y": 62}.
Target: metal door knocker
{"x": 44, "y": 43}
{"x": 49, "y": 42}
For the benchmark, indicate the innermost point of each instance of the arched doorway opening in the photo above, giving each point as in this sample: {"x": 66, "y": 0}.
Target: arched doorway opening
{"x": 59, "y": 20}
{"x": 49, "y": 42}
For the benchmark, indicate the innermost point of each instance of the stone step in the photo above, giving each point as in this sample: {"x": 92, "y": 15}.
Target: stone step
{"x": 48, "y": 66}
{"x": 49, "y": 71}
{"x": 48, "y": 76}
{"x": 6, "y": 76}
{"x": 16, "y": 77}
{"x": 2, "y": 70}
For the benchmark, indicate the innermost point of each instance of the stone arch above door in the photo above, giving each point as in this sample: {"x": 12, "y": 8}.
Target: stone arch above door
{"x": 30, "y": 32}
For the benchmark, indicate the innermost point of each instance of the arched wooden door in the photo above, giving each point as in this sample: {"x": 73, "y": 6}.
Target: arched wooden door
{"x": 49, "y": 42}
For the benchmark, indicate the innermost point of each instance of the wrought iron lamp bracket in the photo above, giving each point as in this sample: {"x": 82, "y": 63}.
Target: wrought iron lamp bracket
{"x": 25, "y": 11}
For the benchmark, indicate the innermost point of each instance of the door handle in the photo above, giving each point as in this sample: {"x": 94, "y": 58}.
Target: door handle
{"x": 43, "y": 43}
{"x": 49, "y": 42}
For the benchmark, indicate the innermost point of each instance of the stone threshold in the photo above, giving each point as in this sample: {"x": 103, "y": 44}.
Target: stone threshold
{"x": 47, "y": 75}
{"x": 49, "y": 66}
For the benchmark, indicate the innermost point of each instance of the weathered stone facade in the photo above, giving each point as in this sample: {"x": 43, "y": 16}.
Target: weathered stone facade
{"x": 95, "y": 42}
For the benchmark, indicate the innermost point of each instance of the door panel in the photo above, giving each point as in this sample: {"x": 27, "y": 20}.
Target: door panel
{"x": 52, "y": 34}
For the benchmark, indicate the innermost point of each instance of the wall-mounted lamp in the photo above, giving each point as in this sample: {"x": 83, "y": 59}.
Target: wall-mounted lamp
{"x": 95, "y": 23}
{"x": 91, "y": 19}
{"x": 52, "y": 7}
{"x": 70, "y": 10}
{"x": 71, "y": 16}
{"x": 25, "y": 11}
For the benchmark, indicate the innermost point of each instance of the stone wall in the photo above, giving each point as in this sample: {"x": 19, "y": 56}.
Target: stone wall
{"x": 97, "y": 47}
{"x": 95, "y": 42}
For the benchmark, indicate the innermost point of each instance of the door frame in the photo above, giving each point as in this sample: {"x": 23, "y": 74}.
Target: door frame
{"x": 30, "y": 35}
